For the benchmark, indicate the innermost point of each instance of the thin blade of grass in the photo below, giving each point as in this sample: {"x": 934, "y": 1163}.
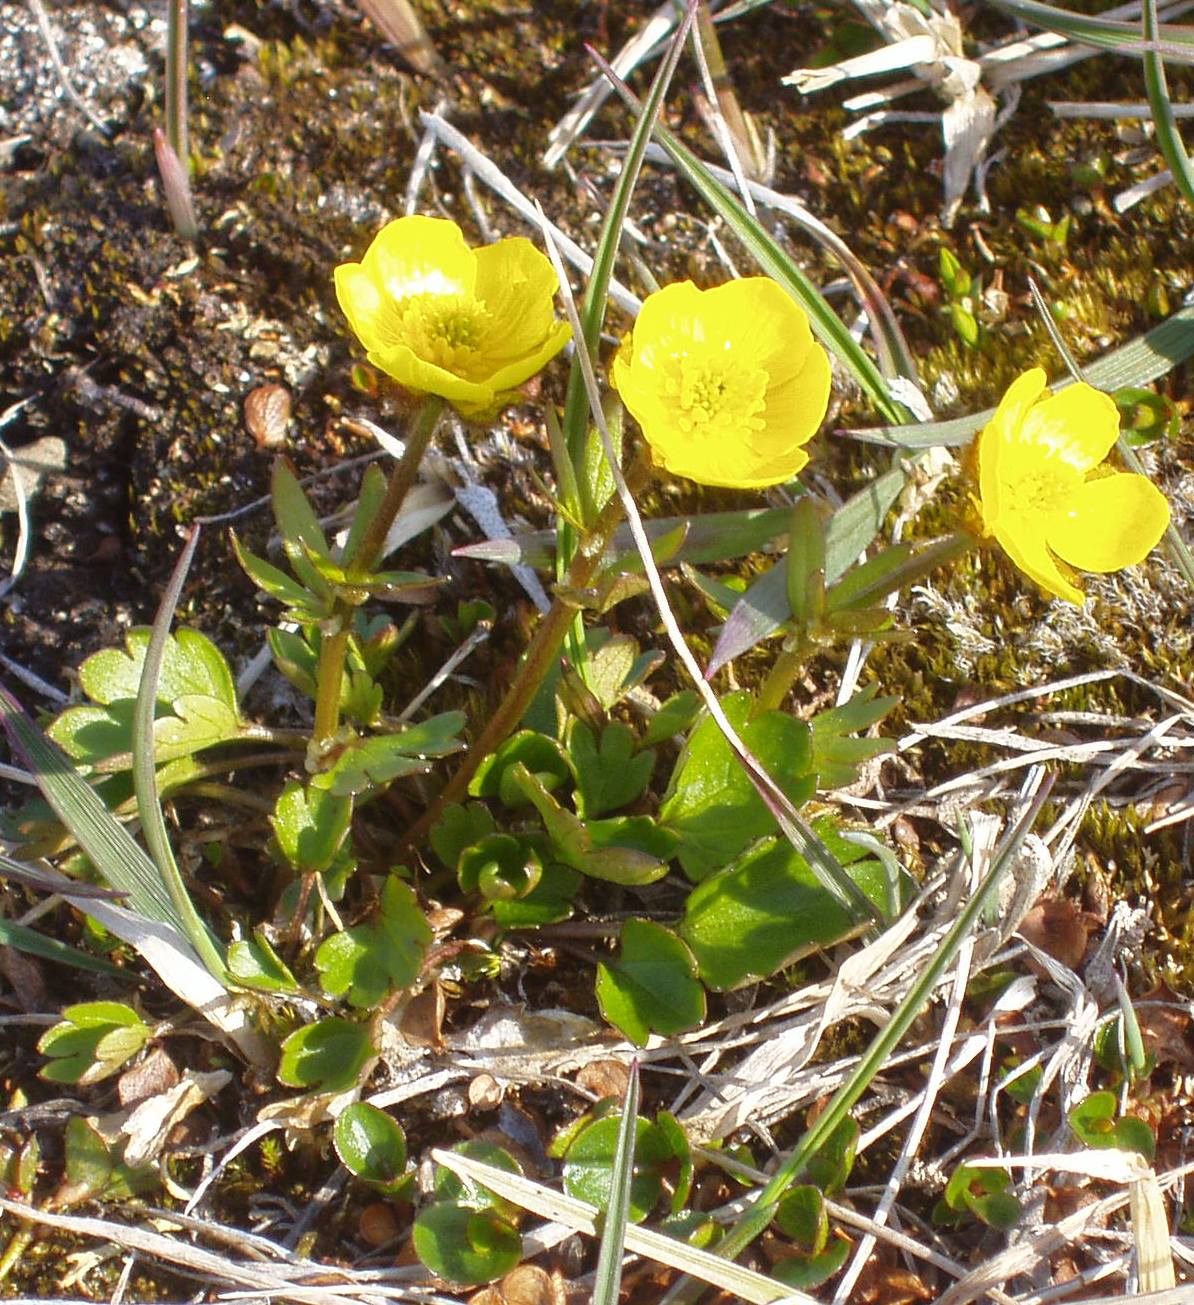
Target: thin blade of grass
{"x": 794, "y": 827}
{"x": 145, "y": 778}
{"x": 112, "y": 849}
{"x": 1169, "y": 140}
{"x": 1176, "y": 43}
{"x": 592, "y": 312}
{"x": 762, "y": 1210}
{"x": 742, "y": 1283}
{"x": 608, "y": 1279}
{"x": 45, "y": 948}
{"x": 1149, "y": 356}
{"x": 827, "y": 326}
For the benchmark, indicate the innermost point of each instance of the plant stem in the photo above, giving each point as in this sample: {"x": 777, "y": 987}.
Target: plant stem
{"x": 781, "y": 677}
{"x": 404, "y": 475}
{"x": 538, "y": 660}
{"x": 176, "y": 81}
{"x": 333, "y": 648}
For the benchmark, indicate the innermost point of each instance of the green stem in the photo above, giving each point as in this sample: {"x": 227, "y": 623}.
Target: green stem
{"x": 333, "y": 648}
{"x": 540, "y": 657}
{"x": 405, "y": 474}
{"x": 781, "y": 677}
{"x": 176, "y": 81}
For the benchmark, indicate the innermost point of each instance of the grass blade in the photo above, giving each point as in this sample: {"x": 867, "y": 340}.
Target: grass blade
{"x": 1169, "y": 140}
{"x": 37, "y": 944}
{"x": 1138, "y": 362}
{"x": 843, "y": 1100}
{"x": 145, "y": 779}
{"x": 112, "y": 849}
{"x": 608, "y": 1280}
{"x": 1176, "y": 43}
{"x": 827, "y": 326}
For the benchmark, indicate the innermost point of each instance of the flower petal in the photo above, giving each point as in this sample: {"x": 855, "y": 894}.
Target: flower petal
{"x": 1078, "y": 425}
{"x": 795, "y": 409}
{"x": 363, "y": 303}
{"x": 517, "y": 284}
{"x": 421, "y": 256}
{"x": 996, "y": 437}
{"x": 521, "y": 369}
{"x": 398, "y": 361}
{"x": 1023, "y": 542}
{"x": 763, "y": 321}
{"x": 1110, "y": 522}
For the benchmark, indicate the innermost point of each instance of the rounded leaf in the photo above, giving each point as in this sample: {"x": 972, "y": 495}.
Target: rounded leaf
{"x": 466, "y": 1245}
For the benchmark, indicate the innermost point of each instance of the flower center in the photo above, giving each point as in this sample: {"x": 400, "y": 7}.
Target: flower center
{"x": 715, "y": 398}
{"x": 444, "y": 330}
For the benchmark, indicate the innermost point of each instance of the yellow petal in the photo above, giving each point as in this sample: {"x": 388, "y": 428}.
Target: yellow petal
{"x": 763, "y": 322}
{"x": 670, "y": 319}
{"x": 426, "y": 378}
{"x": 1110, "y": 522}
{"x": 795, "y": 409}
{"x": 1078, "y": 425}
{"x": 421, "y": 256}
{"x": 522, "y": 369}
{"x": 1024, "y": 544}
{"x": 517, "y": 284}
{"x": 996, "y": 436}
{"x": 362, "y": 302}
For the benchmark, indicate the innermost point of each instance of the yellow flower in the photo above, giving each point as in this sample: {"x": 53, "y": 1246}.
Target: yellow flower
{"x": 1045, "y": 495}
{"x": 727, "y": 384}
{"x": 441, "y": 318}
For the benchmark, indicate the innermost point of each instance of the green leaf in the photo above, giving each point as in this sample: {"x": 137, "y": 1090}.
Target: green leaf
{"x": 1132, "y": 1134}
{"x": 547, "y": 903}
{"x": 768, "y": 909}
{"x": 373, "y": 763}
{"x": 92, "y": 1042}
{"x": 453, "y": 1187}
{"x": 806, "y": 1273}
{"x": 253, "y": 963}
{"x": 93, "y": 1171}
{"x": 652, "y": 986}
{"x": 369, "y": 960}
{"x": 801, "y": 1216}
{"x": 610, "y": 671}
{"x": 609, "y": 773}
{"x": 624, "y": 850}
{"x": 500, "y": 867}
{"x": 711, "y": 804}
{"x": 369, "y": 499}
{"x": 372, "y": 1145}
{"x": 191, "y": 665}
{"x": 41, "y": 945}
{"x": 541, "y": 755}
{"x": 465, "y": 1245}
{"x": 297, "y": 522}
{"x": 327, "y": 1056}
{"x": 195, "y": 702}
{"x": 677, "y": 715}
{"x": 589, "y": 1162}
{"x": 310, "y": 824}
{"x": 765, "y": 606}
{"x": 302, "y": 604}
{"x": 837, "y": 754}
{"x": 295, "y": 659}
{"x": 829, "y": 1168}
{"x": 460, "y": 827}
